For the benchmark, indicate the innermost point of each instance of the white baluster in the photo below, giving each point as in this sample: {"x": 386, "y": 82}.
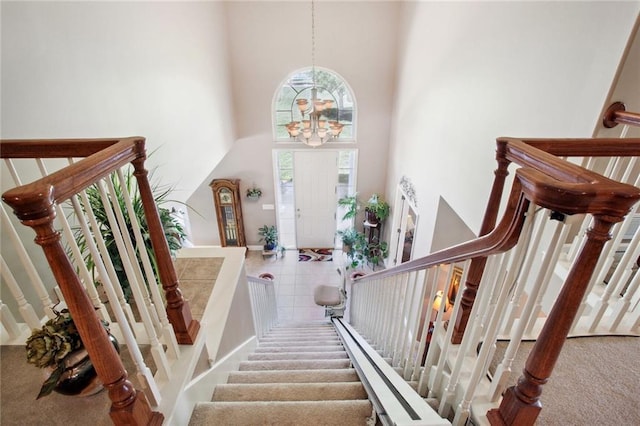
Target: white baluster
{"x": 157, "y": 307}
{"x": 78, "y": 260}
{"x": 550, "y": 259}
{"x": 125, "y": 248}
{"x": 34, "y": 277}
{"x": 24, "y": 307}
{"x": 121, "y": 310}
{"x": 9, "y": 322}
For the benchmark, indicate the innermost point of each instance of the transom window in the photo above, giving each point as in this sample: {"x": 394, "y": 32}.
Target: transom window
{"x": 330, "y": 86}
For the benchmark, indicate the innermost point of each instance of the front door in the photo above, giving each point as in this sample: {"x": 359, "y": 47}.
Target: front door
{"x": 315, "y": 180}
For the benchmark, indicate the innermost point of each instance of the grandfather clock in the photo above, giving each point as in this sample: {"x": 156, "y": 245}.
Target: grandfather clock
{"x": 226, "y": 196}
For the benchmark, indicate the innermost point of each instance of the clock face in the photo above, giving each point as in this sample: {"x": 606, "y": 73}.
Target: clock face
{"x": 225, "y": 197}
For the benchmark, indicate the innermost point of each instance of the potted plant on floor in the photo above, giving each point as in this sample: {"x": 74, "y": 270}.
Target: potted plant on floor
{"x": 377, "y": 210}
{"x": 348, "y": 237}
{"x": 376, "y": 252}
{"x": 268, "y": 235}
{"x": 173, "y": 230}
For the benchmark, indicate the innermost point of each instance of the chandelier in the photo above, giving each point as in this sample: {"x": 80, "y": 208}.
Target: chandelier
{"x": 315, "y": 126}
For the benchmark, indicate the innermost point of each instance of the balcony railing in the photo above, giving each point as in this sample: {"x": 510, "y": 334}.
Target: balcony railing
{"x": 510, "y": 273}
{"x": 58, "y": 208}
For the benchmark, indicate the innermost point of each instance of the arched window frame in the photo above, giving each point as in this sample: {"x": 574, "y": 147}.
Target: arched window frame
{"x": 298, "y": 83}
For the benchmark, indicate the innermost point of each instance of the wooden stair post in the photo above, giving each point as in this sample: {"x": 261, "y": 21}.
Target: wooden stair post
{"x": 36, "y": 209}
{"x": 521, "y": 404}
{"x": 477, "y": 265}
{"x": 178, "y": 309}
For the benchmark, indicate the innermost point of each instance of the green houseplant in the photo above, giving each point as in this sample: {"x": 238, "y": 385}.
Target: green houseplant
{"x": 173, "y": 230}
{"x": 377, "y": 209}
{"x": 269, "y": 235}
{"x": 348, "y": 237}
{"x": 351, "y": 205}
{"x": 375, "y": 252}
{"x": 57, "y": 347}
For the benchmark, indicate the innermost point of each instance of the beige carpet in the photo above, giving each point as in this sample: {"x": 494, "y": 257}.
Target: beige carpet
{"x": 298, "y": 375}
{"x": 596, "y": 381}
{"x": 20, "y": 382}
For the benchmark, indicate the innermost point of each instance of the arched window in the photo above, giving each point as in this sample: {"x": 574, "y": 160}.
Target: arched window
{"x": 330, "y": 87}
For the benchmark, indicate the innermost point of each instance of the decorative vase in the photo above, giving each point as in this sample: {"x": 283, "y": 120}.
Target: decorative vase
{"x": 253, "y": 197}
{"x": 79, "y": 377}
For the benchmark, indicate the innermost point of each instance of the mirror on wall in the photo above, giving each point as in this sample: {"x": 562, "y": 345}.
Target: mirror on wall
{"x": 405, "y": 223}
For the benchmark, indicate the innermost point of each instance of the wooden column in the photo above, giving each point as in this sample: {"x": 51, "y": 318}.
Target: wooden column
{"x": 521, "y": 403}
{"x": 129, "y": 407}
{"x": 178, "y": 310}
{"x": 474, "y": 275}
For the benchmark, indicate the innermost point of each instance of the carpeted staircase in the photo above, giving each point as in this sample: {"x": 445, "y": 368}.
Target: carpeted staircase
{"x": 299, "y": 374}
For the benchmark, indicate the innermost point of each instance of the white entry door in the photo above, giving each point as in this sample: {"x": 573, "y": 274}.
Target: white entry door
{"x": 315, "y": 180}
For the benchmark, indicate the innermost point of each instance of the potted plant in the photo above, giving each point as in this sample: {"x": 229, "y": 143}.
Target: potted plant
{"x": 377, "y": 210}
{"x": 173, "y": 230}
{"x": 375, "y": 252}
{"x": 268, "y": 234}
{"x": 348, "y": 237}
{"x": 351, "y": 204}
{"x": 357, "y": 253}
{"x": 58, "y": 348}
{"x": 254, "y": 193}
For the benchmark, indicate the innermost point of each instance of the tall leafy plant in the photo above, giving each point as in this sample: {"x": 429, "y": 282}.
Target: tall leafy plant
{"x": 173, "y": 230}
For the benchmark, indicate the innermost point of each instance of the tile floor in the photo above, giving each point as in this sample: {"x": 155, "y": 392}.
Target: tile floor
{"x": 295, "y": 282}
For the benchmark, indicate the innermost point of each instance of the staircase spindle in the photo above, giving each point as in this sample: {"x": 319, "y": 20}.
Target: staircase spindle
{"x": 24, "y": 307}
{"x": 178, "y": 310}
{"x": 28, "y": 265}
{"x": 157, "y": 306}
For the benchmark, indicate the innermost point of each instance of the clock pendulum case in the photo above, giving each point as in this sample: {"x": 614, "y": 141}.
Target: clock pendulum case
{"x": 226, "y": 197}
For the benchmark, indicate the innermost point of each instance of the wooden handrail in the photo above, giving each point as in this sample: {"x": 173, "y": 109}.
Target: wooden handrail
{"x": 581, "y": 190}
{"x": 34, "y": 204}
{"x": 550, "y": 183}
{"x": 617, "y": 114}
{"x": 55, "y": 148}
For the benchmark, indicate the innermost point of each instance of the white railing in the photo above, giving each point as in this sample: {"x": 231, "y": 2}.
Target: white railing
{"x": 411, "y": 312}
{"x": 263, "y": 303}
{"x": 406, "y": 316}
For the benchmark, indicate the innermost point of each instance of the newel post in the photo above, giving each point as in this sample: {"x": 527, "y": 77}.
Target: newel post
{"x": 178, "y": 310}
{"x": 129, "y": 407}
{"x": 521, "y": 403}
{"x": 474, "y": 275}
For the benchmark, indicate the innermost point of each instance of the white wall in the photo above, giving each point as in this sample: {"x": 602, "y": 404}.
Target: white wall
{"x": 110, "y": 69}
{"x": 105, "y": 69}
{"x": 268, "y": 41}
{"x": 471, "y": 72}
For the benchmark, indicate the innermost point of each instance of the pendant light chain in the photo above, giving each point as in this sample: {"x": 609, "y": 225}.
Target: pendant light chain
{"x": 313, "y": 43}
{"x": 316, "y": 128}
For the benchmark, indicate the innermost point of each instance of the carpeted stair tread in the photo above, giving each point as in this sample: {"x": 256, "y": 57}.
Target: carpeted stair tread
{"x": 295, "y": 364}
{"x": 297, "y": 375}
{"x": 299, "y": 339}
{"x": 304, "y": 326}
{"x": 289, "y": 392}
{"x": 285, "y": 413}
{"x": 275, "y": 349}
{"x": 299, "y": 343}
{"x": 297, "y": 355}
{"x": 297, "y": 332}
{"x": 294, "y": 376}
